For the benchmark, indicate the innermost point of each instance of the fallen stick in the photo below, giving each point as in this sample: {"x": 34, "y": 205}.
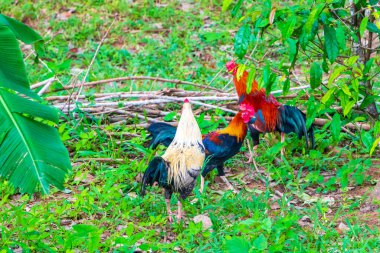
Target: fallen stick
{"x": 176, "y": 93}
{"x": 146, "y": 102}
{"x": 108, "y": 160}
{"x": 35, "y": 86}
{"x": 364, "y": 126}
{"x": 151, "y": 78}
{"x": 45, "y": 88}
{"x": 342, "y": 127}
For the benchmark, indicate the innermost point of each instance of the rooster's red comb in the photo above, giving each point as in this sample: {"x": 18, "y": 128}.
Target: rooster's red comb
{"x": 231, "y": 65}
{"x": 186, "y": 100}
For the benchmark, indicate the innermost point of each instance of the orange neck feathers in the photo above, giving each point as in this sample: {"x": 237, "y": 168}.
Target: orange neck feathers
{"x": 258, "y": 99}
{"x": 237, "y": 128}
{"x": 241, "y": 85}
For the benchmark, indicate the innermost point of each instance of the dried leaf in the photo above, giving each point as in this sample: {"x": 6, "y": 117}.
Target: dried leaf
{"x": 272, "y": 15}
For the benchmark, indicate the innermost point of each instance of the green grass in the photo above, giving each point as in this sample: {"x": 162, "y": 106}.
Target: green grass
{"x": 101, "y": 210}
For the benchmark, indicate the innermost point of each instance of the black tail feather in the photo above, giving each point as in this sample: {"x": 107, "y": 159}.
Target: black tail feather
{"x": 156, "y": 172}
{"x": 311, "y": 136}
{"x": 161, "y": 133}
{"x": 293, "y": 120}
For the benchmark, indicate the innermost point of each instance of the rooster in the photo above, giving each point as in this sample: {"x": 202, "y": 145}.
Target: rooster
{"x": 178, "y": 168}
{"x": 271, "y": 115}
{"x": 219, "y": 145}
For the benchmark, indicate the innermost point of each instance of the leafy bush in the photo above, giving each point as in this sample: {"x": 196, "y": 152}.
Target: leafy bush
{"x": 336, "y": 40}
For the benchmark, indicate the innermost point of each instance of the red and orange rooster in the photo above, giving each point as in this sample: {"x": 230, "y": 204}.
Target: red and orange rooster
{"x": 178, "y": 168}
{"x": 220, "y": 145}
{"x": 270, "y": 115}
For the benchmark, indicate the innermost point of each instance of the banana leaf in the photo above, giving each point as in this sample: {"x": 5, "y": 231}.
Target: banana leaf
{"x": 31, "y": 152}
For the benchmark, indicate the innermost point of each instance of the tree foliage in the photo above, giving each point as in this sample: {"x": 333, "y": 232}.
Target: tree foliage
{"x": 336, "y": 39}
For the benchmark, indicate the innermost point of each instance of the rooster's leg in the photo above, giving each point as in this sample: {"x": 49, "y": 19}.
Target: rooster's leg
{"x": 282, "y": 141}
{"x": 168, "y": 196}
{"x": 229, "y": 185}
{"x": 202, "y": 184}
{"x": 254, "y": 159}
{"x": 251, "y": 154}
{"x": 168, "y": 210}
{"x": 179, "y": 214}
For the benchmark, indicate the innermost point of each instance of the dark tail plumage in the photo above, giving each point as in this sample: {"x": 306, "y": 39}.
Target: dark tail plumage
{"x": 157, "y": 171}
{"x": 161, "y": 133}
{"x": 293, "y": 120}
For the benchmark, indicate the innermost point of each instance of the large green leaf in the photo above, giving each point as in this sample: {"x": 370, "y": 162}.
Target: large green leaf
{"x": 237, "y": 245}
{"x": 373, "y": 28}
{"x": 313, "y": 17}
{"x": 21, "y": 31}
{"x": 242, "y": 39}
{"x": 288, "y": 27}
{"x": 331, "y": 43}
{"x": 250, "y": 79}
{"x": 335, "y": 127}
{"x": 328, "y": 95}
{"x": 293, "y": 50}
{"x": 341, "y": 37}
{"x": 374, "y": 145}
{"x": 315, "y": 75}
{"x": 269, "y": 78}
{"x": 31, "y": 152}
{"x": 363, "y": 26}
{"x": 310, "y": 28}
{"x": 12, "y": 69}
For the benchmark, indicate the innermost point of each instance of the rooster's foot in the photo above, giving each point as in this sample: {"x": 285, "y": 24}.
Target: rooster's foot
{"x": 229, "y": 185}
{"x": 249, "y": 157}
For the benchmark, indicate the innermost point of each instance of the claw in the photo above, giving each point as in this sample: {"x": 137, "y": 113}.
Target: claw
{"x": 249, "y": 158}
{"x": 229, "y": 185}
{"x": 283, "y": 148}
{"x": 202, "y": 184}
{"x": 179, "y": 214}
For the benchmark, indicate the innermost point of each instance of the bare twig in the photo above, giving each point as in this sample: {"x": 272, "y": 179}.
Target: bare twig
{"x": 217, "y": 74}
{"x": 46, "y": 87}
{"x": 34, "y": 86}
{"x": 152, "y": 78}
{"x": 343, "y": 128}
{"x": 357, "y": 125}
{"x": 108, "y": 160}
{"x": 214, "y": 106}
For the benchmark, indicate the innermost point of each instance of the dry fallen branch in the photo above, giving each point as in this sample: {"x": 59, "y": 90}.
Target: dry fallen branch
{"x": 35, "y": 86}
{"x": 107, "y": 160}
{"x": 153, "y": 103}
{"x": 151, "y": 78}
{"x": 364, "y": 126}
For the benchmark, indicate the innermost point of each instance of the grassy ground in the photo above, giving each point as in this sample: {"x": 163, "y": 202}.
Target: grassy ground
{"x": 101, "y": 211}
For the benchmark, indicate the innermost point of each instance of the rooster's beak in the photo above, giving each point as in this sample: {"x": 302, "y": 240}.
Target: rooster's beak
{"x": 241, "y": 99}
{"x": 252, "y": 120}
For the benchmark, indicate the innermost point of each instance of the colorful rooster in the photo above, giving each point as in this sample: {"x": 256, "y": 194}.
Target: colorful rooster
{"x": 220, "y": 145}
{"x": 271, "y": 115}
{"x": 178, "y": 168}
